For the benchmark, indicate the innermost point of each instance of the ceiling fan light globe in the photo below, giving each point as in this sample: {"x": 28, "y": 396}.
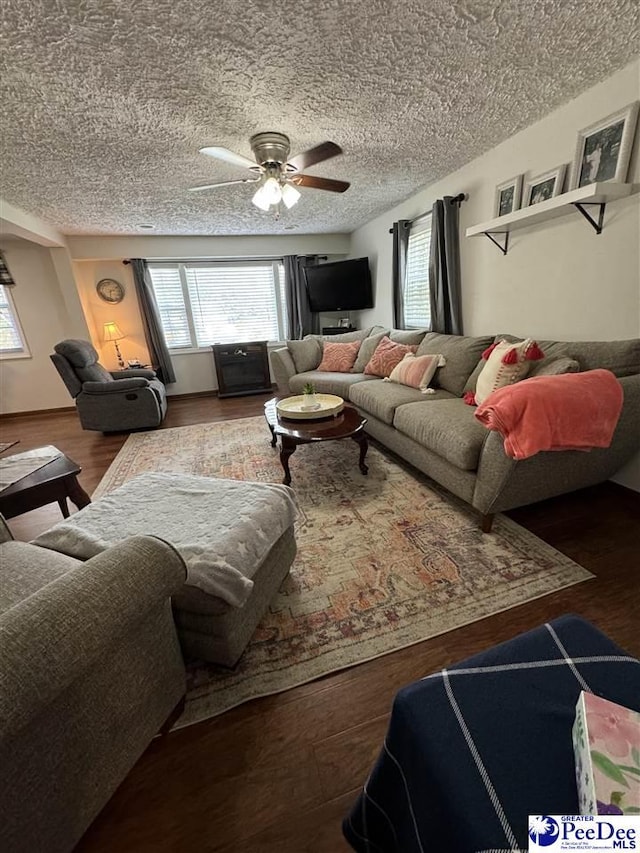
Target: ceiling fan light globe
{"x": 290, "y": 195}
{"x": 272, "y": 190}
{"x": 260, "y": 200}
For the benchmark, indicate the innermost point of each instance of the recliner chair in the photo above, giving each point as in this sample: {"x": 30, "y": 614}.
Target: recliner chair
{"x": 109, "y": 402}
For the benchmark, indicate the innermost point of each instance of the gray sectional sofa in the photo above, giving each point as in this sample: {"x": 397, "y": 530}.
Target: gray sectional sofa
{"x": 439, "y": 435}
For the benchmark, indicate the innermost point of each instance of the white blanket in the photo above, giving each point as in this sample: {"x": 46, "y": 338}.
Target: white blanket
{"x": 223, "y": 529}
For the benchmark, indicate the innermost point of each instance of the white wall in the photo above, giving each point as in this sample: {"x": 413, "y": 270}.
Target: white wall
{"x": 559, "y": 279}
{"x": 33, "y": 383}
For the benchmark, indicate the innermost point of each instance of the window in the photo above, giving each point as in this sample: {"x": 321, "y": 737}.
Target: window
{"x": 417, "y": 310}
{"x": 208, "y": 302}
{"x": 12, "y": 342}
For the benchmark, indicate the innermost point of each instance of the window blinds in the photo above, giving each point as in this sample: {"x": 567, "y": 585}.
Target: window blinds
{"x": 205, "y": 303}
{"x": 10, "y": 336}
{"x": 417, "y": 312}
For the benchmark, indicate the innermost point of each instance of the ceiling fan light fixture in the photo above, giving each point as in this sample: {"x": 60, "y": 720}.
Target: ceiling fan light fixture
{"x": 260, "y": 199}
{"x": 272, "y": 190}
{"x": 290, "y": 195}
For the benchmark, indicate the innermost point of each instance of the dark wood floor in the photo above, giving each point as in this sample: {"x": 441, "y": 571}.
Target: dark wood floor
{"x": 278, "y": 774}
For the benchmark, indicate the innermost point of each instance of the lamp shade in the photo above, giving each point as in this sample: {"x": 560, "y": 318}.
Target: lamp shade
{"x": 112, "y": 332}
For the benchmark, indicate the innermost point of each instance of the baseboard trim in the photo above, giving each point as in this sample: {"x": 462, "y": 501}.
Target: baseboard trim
{"x": 7, "y": 416}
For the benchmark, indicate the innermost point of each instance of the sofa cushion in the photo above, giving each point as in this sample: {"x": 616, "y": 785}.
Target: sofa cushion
{"x": 462, "y": 354}
{"x": 327, "y": 383}
{"x": 448, "y": 429}
{"x": 338, "y": 357}
{"x": 344, "y": 337}
{"x": 78, "y": 353}
{"x": 366, "y": 351}
{"x": 622, "y": 358}
{"x": 27, "y": 568}
{"x": 554, "y": 367}
{"x": 306, "y": 354}
{"x": 407, "y": 336}
{"x": 381, "y": 399}
{"x": 387, "y": 355}
{"x": 417, "y": 371}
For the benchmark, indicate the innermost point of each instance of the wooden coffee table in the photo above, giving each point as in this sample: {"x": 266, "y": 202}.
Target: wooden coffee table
{"x": 55, "y": 481}
{"x": 347, "y": 424}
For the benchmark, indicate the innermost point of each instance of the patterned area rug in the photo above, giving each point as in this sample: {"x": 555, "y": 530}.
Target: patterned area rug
{"x": 384, "y": 561}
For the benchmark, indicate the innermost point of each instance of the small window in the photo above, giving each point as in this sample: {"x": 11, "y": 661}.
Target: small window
{"x": 417, "y": 306}
{"x": 12, "y": 341}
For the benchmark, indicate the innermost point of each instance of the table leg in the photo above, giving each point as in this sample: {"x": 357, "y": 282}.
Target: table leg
{"x": 361, "y": 439}
{"x": 287, "y": 448}
{"x": 274, "y": 438}
{"x": 77, "y": 494}
{"x": 64, "y": 508}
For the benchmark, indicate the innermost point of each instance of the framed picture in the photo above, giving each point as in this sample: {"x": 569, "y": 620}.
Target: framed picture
{"x": 604, "y": 148}
{"x": 508, "y": 195}
{"x": 545, "y": 186}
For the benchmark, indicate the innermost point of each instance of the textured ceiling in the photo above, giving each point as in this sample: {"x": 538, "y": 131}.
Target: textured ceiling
{"x": 106, "y": 102}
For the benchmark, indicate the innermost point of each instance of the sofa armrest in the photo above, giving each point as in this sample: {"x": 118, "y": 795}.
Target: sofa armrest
{"x": 133, "y": 373}
{"x": 504, "y": 483}
{"x": 116, "y": 387}
{"x": 50, "y": 638}
{"x": 283, "y": 368}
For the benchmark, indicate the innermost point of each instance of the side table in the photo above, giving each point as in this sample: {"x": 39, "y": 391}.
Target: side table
{"x": 56, "y": 481}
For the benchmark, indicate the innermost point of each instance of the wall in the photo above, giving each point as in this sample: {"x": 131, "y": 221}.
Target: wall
{"x": 559, "y": 279}
{"x": 33, "y": 383}
{"x": 96, "y": 258}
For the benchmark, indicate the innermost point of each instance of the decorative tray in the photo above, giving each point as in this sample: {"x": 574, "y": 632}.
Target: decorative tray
{"x": 295, "y": 408}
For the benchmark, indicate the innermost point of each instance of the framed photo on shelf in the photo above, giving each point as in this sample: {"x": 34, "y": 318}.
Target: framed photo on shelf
{"x": 545, "y": 186}
{"x": 508, "y": 195}
{"x": 604, "y": 148}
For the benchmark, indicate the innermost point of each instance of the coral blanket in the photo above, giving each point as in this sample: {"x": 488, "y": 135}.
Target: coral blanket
{"x": 573, "y": 411}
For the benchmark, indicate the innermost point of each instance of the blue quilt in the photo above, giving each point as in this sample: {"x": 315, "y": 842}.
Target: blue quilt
{"x": 471, "y": 751}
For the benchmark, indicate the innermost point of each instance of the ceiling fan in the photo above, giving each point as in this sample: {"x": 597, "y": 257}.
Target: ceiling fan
{"x": 277, "y": 174}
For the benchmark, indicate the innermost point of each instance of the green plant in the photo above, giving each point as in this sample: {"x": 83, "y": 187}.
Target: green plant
{"x": 309, "y": 388}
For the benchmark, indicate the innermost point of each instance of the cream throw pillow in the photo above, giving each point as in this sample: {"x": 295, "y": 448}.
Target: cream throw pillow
{"x": 416, "y": 371}
{"x": 507, "y": 363}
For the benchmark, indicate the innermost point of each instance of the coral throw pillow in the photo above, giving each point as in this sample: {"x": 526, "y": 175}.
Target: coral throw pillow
{"x": 386, "y": 356}
{"x": 417, "y": 371}
{"x": 339, "y": 358}
{"x": 506, "y": 363}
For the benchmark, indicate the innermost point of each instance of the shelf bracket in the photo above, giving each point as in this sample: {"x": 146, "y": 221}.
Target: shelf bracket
{"x": 502, "y": 246}
{"x": 597, "y": 226}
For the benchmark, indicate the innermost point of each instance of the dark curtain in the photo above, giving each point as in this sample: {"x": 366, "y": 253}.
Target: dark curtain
{"x": 400, "y": 233}
{"x": 444, "y": 268}
{"x": 301, "y": 320}
{"x": 154, "y": 335}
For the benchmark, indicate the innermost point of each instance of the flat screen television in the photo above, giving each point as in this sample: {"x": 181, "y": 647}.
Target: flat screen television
{"x": 340, "y": 286}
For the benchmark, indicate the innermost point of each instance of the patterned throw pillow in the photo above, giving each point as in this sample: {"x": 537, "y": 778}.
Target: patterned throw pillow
{"x": 386, "y": 356}
{"x": 417, "y": 371}
{"x": 506, "y": 363}
{"x": 339, "y": 358}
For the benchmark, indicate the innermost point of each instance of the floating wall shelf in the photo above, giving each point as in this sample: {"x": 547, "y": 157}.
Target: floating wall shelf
{"x": 584, "y": 197}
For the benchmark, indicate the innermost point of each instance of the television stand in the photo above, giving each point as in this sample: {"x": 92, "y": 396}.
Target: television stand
{"x": 337, "y": 330}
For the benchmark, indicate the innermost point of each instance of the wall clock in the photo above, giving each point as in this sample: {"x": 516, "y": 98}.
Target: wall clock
{"x": 110, "y": 290}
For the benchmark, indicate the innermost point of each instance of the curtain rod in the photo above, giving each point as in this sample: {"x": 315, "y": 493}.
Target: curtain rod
{"x": 127, "y": 261}
{"x": 457, "y": 199}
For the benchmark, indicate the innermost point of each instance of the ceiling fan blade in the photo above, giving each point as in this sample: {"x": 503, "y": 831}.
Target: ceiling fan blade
{"x": 324, "y": 151}
{"x": 228, "y": 156}
{"x": 222, "y": 184}
{"x": 317, "y": 183}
